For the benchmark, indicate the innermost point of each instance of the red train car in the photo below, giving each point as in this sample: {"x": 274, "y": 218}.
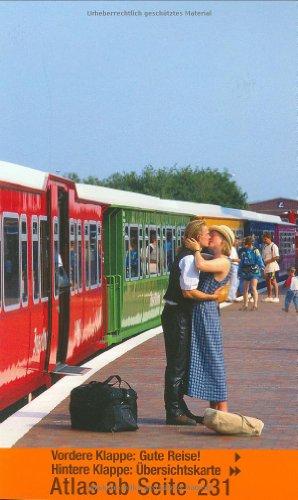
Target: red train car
{"x": 51, "y": 294}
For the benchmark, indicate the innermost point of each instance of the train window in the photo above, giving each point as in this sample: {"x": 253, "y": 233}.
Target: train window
{"x": 87, "y": 254}
{"x": 73, "y": 256}
{"x": 126, "y": 251}
{"x": 72, "y": 229}
{"x": 141, "y": 251}
{"x": 174, "y": 244}
{"x": 178, "y": 236}
{"x": 159, "y": 252}
{"x": 11, "y": 256}
{"x": 146, "y": 251}
{"x": 152, "y": 251}
{"x": 169, "y": 248}
{"x": 56, "y": 254}
{"x": 134, "y": 252}
{"x": 93, "y": 255}
{"x": 79, "y": 260}
{"x": 133, "y": 242}
{"x": 44, "y": 257}
{"x": 35, "y": 259}
{"x": 24, "y": 261}
{"x": 99, "y": 251}
{"x": 163, "y": 251}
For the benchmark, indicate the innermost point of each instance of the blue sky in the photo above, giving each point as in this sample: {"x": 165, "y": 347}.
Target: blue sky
{"x": 103, "y": 94}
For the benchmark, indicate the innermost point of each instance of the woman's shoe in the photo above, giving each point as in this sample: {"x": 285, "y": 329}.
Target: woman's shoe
{"x": 254, "y": 308}
{"x": 243, "y": 308}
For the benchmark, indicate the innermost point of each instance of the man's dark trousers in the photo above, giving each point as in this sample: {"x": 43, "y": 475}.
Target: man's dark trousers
{"x": 176, "y": 323}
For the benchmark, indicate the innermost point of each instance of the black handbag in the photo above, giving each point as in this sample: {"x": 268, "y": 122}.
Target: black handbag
{"x": 104, "y": 406}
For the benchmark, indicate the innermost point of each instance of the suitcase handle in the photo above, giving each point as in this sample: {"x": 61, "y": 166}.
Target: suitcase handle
{"x": 120, "y": 380}
{"x": 124, "y": 382}
{"x": 111, "y": 378}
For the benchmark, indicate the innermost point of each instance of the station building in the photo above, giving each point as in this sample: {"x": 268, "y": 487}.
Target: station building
{"x": 286, "y": 208}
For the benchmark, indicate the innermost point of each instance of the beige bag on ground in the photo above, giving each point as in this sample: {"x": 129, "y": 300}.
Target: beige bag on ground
{"x": 232, "y": 423}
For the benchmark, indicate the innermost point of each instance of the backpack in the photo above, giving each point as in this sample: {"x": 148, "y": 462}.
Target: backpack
{"x": 249, "y": 261}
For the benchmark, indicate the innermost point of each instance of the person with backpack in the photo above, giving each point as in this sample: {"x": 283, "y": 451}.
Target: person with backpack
{"x": 250, "y": 270}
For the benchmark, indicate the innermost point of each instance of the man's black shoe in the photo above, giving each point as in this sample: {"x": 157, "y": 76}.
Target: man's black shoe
{"x": 186, "y": 411}
{"x": 197, "y": 418}
{"x": 180, "y": 420}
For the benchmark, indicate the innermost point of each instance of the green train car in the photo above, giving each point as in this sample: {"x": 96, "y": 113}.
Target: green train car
{"x": 139, "y": 248}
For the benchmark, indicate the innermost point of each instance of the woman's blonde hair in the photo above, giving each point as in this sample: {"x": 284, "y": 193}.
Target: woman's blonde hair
{"x": 225, "y": 248}
{"x": 194, "y": 228}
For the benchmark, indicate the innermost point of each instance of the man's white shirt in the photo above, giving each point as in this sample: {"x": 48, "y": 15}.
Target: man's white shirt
{"x": 190, "y": 275}
{"x": 270, "y": 251}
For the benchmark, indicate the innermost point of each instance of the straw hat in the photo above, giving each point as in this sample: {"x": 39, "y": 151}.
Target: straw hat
{"x": 226, "y": 232}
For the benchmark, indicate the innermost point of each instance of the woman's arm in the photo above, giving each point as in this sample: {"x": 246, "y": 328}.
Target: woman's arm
{"x": 220, "y": 295}
{"x": 201, "y": 296}
{"x": 210, "y": 266}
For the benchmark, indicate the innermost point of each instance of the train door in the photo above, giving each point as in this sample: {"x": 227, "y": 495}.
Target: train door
{"x": 62, "y": 271}
{"x": 113, "y": 264}
{"x": 59, "y": 281}
{"x": 59, "y": 307}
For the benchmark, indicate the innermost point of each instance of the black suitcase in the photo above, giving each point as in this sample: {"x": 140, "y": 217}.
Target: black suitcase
{"x": 104, "y": 406}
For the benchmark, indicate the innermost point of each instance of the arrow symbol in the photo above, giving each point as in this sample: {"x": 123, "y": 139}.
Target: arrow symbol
{"x": 234, "y": 471}
{"x": 237, "y": 457}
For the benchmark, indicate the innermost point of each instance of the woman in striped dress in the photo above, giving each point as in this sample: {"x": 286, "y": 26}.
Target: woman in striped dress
{"x": 207, "y": 379}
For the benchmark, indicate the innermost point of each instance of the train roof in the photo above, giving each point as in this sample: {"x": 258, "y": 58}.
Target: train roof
{"x": 13, "y": 174}
{"x": 23, "y": 176}
{"x": 128, "y": 199}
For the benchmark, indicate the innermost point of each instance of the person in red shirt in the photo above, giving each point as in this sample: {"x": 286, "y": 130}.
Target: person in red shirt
{"x": 291, "y": 284}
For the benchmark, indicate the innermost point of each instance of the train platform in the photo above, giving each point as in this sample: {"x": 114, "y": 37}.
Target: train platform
{"x": 260, "y": 354}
